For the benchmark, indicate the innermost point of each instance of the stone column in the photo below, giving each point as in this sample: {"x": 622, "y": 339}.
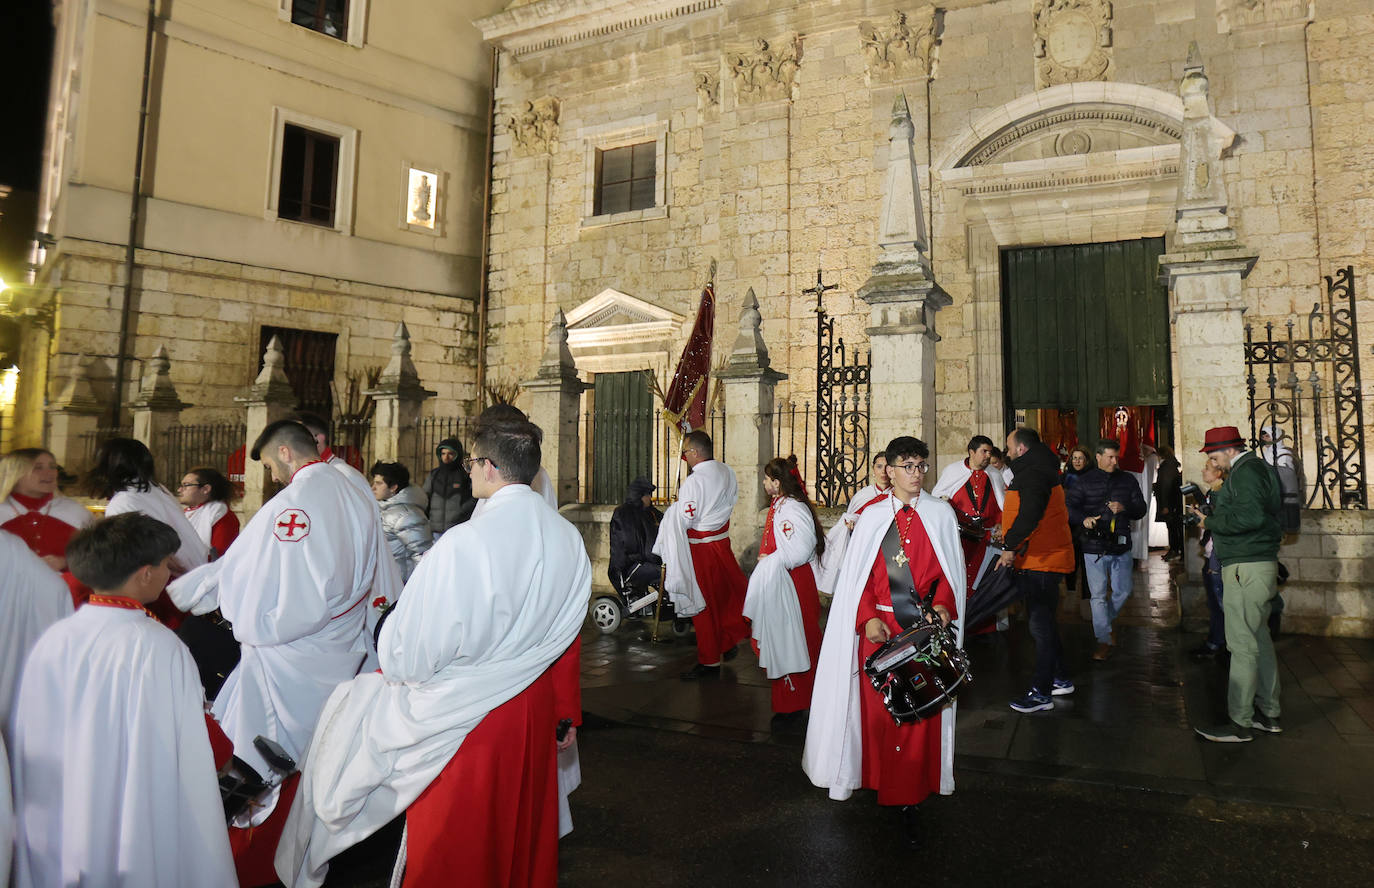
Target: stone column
{"x": 749, "y": 385}
{"x": 555, "y": 392}
{"x": 269, "y": 399}
{"x": 157, "y": 407}
{"x": 1203, "y": 272}
{"x": 74, "y": 415}
{"x": 398, "y": 396}
{"x": 904, "y": 298}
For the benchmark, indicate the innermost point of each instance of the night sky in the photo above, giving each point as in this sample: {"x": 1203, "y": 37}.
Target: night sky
{"x": 25, "y": 46}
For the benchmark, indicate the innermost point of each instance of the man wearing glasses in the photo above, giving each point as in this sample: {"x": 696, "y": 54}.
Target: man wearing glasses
{"x": 904, "y": 546}
{"x": 703, "y": 578}
{"x": 205, "y": 494}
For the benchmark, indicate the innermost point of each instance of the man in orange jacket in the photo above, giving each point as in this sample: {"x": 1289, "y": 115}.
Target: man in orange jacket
{"x": 1037, "y": 538}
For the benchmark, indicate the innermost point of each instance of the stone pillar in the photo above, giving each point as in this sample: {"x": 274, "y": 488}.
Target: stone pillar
{"x": 904, "y": 298}
{"x": 749, "y": 385}
{"x": 157, "y": 407}
{"x": 73, "y": 416}
{"x": 1203, "y": 272}
{"x": 555, "y": 392}
{"x": 270, "y": 398}
{"x": 398, "y": 396}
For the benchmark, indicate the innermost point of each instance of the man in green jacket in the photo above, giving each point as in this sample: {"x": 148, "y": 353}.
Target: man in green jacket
{"x": 1246, "y": 534}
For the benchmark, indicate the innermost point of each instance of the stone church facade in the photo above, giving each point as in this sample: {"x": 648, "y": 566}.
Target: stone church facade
{"x": 763, "y": 133}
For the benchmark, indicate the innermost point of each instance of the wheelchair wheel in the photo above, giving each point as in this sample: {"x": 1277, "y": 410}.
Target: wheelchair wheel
{"x": 607, "y": 615}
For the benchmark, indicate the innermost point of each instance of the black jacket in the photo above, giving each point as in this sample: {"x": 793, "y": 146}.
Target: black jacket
{"x": 1035, "y": 474}
{"x": 1168, "y": 491}
{"x": 634, "y": 529}
{"x": 1089, "y": 496}
{"x": 450, "y": 490}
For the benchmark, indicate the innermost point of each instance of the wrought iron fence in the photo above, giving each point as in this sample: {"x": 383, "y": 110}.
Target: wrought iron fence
{"x": 185, "y": 447}
{"x": 1308, "y": 388}
{"x": 619, "y": 445}
{"x": 352, "y": 442}
{"x": 842, "y": 406}
{"x": 90, "y": 444}
{"x": 429, "y": 431}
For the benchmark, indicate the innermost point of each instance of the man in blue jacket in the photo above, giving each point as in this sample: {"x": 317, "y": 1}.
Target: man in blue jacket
{"x": 1246, "y": 533}
{"x": 1104, "y": 501}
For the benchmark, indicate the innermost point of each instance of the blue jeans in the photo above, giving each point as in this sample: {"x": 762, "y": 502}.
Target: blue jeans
{"x": 1103, "y": 570}
{"x": 1216, "y": 617}
{"x": 1041, "y": 591}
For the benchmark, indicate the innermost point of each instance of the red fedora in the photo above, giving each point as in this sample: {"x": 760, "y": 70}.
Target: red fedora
{"x": 1222, "y": 437}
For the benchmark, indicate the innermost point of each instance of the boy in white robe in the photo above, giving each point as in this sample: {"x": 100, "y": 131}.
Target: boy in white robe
{"x": 114, "y": 779}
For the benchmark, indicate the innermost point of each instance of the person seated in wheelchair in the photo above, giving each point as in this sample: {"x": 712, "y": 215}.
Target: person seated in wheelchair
{"x": 634, "y": 567}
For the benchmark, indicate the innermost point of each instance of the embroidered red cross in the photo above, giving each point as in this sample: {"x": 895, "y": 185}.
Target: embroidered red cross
{"x": 690, "y": 509}
{"x": 289, "y": 522}
{"x": 787, "y": 529}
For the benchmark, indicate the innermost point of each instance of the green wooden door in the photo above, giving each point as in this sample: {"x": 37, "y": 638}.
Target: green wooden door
{"x": 622, "y": 433}
{"x": 1084, "y": 327}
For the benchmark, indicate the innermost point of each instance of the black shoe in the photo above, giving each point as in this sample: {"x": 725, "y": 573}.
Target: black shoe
{"x": 1172, "y": 555}
{"x": 1204, "y": 652}
{"x": 1262, "y": 722}
{"x": 911, "y": 825}
{"x": 699, "y": 671}
{"x": 1230, "y": 732}
{"x": 730, "y": 654}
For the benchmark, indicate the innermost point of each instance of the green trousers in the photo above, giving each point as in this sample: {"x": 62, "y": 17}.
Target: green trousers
{"x": 1248, "y": 591}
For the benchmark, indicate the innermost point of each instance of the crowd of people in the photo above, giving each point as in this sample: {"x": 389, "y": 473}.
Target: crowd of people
{"x": 407, "y": 650}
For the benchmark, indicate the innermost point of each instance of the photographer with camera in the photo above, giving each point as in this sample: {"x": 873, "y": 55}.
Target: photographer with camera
{"x": 1246, "y": 532}
{"x": 1104, "y": 501}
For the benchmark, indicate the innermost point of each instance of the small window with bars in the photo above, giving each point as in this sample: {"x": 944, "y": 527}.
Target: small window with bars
{"x": 329, "y": 17}
{"x": 309, "y": 176}
{"x": 625, "y": 178}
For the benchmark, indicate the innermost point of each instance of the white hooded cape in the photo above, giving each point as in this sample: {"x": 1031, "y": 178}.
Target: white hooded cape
{"x": 833, "y": 756}
{"x": 490, "y": 608}
{"x": 837, "y": 538}
{"x": 32, "y": 598}
{"x": 114, "y": 780}
{"x": 204, "y": 516}
{"x": 542, "y": 485}
{"x": 297, "y": 597}
{"x": 771, "y": 603}
{"x": 956, "y": 475}
{"x": 156, "y": 502}
{"x": 705, "y": 502}
{"x": 6, "y": 813}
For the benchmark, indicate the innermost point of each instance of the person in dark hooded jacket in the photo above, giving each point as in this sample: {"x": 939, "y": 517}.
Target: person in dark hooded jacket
{"x": 634, "y": 528}
{"x": 449, "y": 488}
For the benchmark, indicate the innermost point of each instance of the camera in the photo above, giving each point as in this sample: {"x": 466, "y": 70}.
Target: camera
{"x": 1197, "y": 493}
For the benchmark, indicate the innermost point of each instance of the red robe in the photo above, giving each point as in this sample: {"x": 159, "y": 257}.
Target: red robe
{"x": 975, "y": 550}
{"x": 491, "y": 816}
{"x": 792, "y": 693}
{"x": 901, "y": 762}
{"x": 721, "y": 626}
{"x": 46, "y": 535}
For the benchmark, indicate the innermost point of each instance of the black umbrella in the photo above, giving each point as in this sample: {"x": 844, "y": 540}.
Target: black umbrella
{"x": 996, "y": 590}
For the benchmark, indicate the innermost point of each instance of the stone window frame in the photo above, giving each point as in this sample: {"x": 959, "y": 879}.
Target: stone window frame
{"x": 618, "y": 135}
{"x": 440, "y": 198}
{"x": 344, "y": 178}
{"x": 356, "y": 34}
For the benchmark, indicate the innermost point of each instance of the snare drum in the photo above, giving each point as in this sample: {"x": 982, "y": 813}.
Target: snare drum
{"x": 918, "y": 672}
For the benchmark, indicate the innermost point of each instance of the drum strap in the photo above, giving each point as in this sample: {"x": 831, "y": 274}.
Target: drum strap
{"x": 906, "y": 608}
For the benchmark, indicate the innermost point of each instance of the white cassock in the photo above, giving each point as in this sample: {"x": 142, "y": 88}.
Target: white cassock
{"x": 542, "y": 485}
{"x": 297, "y": 586}
{"x": 1007, "y": 475}
{"x": 1141, "y": 528}
{"x": 353, "y": 476}
{"x": 771, "y": 603}
{"x": 33, "y": 596}
{"x": 704, "y": 502}
{"x": 114, "y": 780}
{"x": 491, "y": 607}
{"x": 204, "y": 516}
{"x": 956, "y": 476}
{"x": 156, "y": 502}
{"x": 833, "y": 756}
{"x": 6, "y": 815}
{"x": 837, "y": 538}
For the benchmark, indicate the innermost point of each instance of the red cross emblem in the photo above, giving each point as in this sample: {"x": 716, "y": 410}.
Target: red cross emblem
{"x": 787, "y": 529}
{"x": 292, "y": 525}
{"x": 690, "y": 509}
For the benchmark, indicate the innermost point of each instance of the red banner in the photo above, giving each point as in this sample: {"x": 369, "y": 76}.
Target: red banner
{"x": 685, "y": 404}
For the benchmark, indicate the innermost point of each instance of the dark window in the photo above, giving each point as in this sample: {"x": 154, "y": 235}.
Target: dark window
{"x": 326, "y": 16}
{"x": 309, "y": 365}
{"x": 625, "y": 178}
{"x": 309, "y": 173}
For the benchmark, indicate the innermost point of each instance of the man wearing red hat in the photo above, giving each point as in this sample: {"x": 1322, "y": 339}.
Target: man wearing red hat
{"x": 1245, "y": 534}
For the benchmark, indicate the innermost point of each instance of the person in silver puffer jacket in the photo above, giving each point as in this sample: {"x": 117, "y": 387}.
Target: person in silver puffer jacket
{"x": 404, "y": 521}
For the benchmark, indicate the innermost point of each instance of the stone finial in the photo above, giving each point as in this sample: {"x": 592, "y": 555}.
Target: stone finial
{"x": 272, "y": 384}
{"x": 399, "y": 378}
{"x": 78, "y": 395}
{"x": 155, "y": 390}
{"x": 1202, "y": 209}
{"x": 749, "y": 350}
{"x": 901, "y": 224}
{"x": 558, "y": 359}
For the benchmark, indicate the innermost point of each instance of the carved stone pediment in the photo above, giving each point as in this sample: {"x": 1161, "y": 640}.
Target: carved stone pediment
{"x": 615, "y": 318}
{"x": 766, "y": 71}
{"x": 1073, "y": 40}
{"x": 534, "y": 126}
{"x": 900, "y": 48}
{"x": 1082, "y": 129}
{"x": 1237, "y": 15}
